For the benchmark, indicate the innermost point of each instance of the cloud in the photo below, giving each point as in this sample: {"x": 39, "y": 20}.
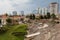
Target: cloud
{"x": 5, "y": 6}
{"x": 20, "y": 1}
{"x": 10, "y": 5}
{"x": 26, "y": 5}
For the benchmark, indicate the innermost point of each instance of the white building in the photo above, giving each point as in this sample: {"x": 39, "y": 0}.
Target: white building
{"x": 44, "y": 11}
{"x": 54, "y": 8}
{"x": 41, "y": 11}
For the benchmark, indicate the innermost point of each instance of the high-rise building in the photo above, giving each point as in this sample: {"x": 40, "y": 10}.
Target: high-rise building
{"x": 14, "y": 12}
{"x": 44, "y": 11}
{"x": 22, "y": 13}
{"x": 54, "y": 8}
{"x": 38, "y": 10}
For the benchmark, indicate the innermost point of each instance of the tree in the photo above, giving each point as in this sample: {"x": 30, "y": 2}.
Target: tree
{"x": 41, "y": 17}
{"x": 45, "y": 17}
{"x": 27, "y": 16}
{"x": 48, "y": 15}
{"x": 32, "y": 16}
{"x": 9, "y": 21}
{"x": 0, "y": 21}
{"x": 6, "y": 14}
{"x": 22, "y": 19}
{"x": 53, "y": 16}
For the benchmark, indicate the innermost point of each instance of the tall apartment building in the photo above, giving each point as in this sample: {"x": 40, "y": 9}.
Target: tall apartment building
{"x": 22, "y": 13}
{"x": 41, "y": 11}
{"x": 14, "y": 12}
{"x": 54, "y": 8}
{"x": 44, "y": 11}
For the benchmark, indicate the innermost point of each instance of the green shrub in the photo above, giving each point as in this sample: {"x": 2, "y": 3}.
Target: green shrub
{"x": 3, "y": 30}
{"x": 19, "y": 33}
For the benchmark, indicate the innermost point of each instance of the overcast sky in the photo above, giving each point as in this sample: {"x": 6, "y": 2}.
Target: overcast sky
{"x": 26, "y": 5}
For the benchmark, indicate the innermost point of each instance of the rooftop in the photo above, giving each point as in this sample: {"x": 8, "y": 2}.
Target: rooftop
{"x": 54, "y": 3}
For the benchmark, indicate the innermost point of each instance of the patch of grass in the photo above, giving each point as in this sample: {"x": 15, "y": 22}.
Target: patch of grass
{"x": 16, "y": 28}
